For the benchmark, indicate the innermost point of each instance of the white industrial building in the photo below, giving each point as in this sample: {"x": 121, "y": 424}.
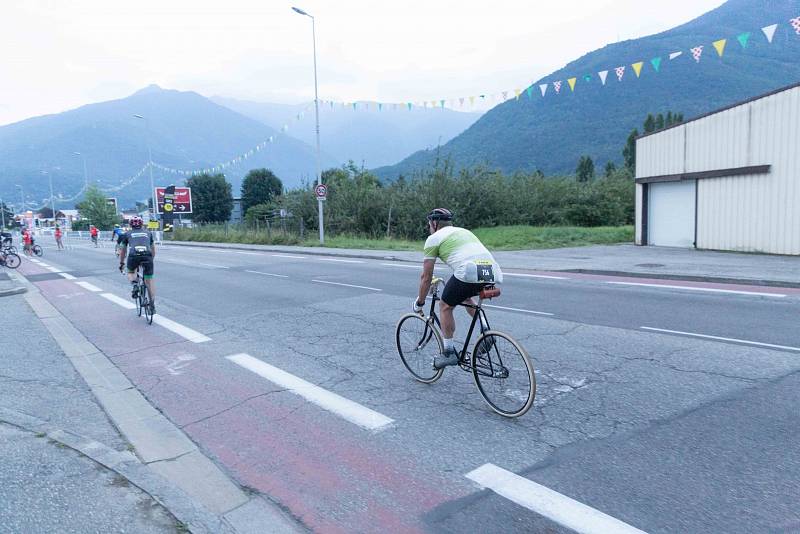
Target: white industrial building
{"x": 728, "y": 180}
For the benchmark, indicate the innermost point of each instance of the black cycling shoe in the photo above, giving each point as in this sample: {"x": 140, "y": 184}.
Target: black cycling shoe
{"x": 135, "y": 292}
{"x": 447, "y": 358}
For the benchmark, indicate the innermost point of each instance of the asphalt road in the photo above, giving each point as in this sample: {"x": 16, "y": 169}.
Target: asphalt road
{"x": 665, "y": 432}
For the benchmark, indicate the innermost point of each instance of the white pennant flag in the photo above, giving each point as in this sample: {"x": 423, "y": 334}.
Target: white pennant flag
{"x": 769, "y": 31}
{"x": 675, "y": 54}
{"x": 543, "y": 88}
{"x": 603, "y": 75}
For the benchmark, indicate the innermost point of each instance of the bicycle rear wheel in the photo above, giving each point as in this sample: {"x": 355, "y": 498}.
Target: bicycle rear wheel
{"x": 418, "y": 343}
{"x": 38, "y": 250}
{"x": 147, "y": 306}
{"x": 11, "y": 260}
{"x": 140, "y": 298}
{"x": 503, "y": 373}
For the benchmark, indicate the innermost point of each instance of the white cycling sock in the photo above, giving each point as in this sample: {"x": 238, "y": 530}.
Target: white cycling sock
{"x": 448, "y": 344}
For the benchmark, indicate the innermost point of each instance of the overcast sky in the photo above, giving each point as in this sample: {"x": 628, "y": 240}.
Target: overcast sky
{"x": 56, "y": 55}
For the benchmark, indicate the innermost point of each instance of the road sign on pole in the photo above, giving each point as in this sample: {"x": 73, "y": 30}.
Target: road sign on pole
{"x": 179, "y": 202}
{"x": 321, "y": 191}
{"x": 113, "y": 203}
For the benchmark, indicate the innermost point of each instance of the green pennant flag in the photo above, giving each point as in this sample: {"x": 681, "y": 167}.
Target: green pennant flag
{"x": 380, "y": 108}
{"x": 529, "y": 90}
{"x": 587, "y": 77}
{"x": 656, "y": 62}
{"x": 354, "y": 106}
{"x": 743, "y": 38}
{"x": 409, "y": 109}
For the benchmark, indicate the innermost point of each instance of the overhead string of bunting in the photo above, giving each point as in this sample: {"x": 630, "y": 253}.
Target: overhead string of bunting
{"x": 695, "y": 52}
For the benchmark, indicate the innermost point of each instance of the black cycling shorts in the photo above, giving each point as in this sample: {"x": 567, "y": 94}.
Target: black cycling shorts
{"x": 146, "y": 261}
{"x": 455, "y": 291}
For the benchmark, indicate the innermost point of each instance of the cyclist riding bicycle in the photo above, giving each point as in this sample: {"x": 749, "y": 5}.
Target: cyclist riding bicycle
{"x": 142, "y": 252}
{"x": 473, "y": 267}
{"x": 116, "y": 235}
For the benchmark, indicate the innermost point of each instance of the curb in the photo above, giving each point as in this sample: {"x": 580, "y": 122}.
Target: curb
{"x": 176, "y": 502}
{"x": 13, "y": 291}
{"x": 687, "y": 278}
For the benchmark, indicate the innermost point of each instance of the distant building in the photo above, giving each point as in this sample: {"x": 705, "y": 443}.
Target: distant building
{"x": 65, "y": 218}
{"x": 728, "y": 180}
{"x": 237, "y": 215}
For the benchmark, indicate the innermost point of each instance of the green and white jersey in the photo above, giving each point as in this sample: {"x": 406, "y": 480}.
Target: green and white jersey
{"x": 464, "y": 253}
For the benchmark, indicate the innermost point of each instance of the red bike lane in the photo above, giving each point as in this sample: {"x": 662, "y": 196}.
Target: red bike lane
{"x": 332, "y": 475}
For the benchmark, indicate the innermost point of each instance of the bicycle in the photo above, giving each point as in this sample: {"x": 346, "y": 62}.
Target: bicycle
{"x": 34, "y": 250}
{"x": 142, "y": 298}
{"x": 9, "y": 259}
{"x": 500, "y": 366}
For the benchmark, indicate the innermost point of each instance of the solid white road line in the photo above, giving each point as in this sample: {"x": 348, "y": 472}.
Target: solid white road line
{"x": 551, "y": 504}
{"x": 67, "y": 276}
{"x": 90, "y": 287}
{"x": 710, "y": 289}
{"x": 704, "y": 336}
{"x": 194, "y": 264}
{"x": 515, "y": 309}
{"x": 402, "y": 265}
{"x": 268, "y": 274}
{"x": 292, "y": 256}
{"x": 247, "y": 253}
{"x": 345, "y": 408}
{"x": 346, "y": 285}
{"x": 119, "y": 301}
{"x": 536, "y": 276}
{"x": 341, "y": 261}
{"x": 183, "y": 331}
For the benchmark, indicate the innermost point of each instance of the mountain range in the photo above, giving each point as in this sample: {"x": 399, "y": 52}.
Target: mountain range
{"x": 552, "y": 132}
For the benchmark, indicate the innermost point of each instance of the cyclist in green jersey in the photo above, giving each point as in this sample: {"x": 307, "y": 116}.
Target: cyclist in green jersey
{"x": 473, "y": 267}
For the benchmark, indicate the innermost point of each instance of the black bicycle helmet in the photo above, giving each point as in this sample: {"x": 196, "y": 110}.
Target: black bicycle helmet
{"x": 440, "y": 214}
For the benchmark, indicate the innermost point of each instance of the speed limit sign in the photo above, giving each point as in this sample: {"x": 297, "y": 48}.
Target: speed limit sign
{"x": 321, "y": 191}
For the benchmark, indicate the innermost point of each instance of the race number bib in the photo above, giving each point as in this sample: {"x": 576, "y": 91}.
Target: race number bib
{"x": 480, "y": 272}
{"x": 140, "y": 250}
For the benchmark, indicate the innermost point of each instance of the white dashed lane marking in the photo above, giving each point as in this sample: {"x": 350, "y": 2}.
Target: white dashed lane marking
{"x": 341, "y": 261}
{"x": 90, "y": 287}
{"x": 516, "y": 309}
{"x": 269, "y": 274}
{"x": 346, "y": 285}
{"x": 327, "y": 400}
{"x": 548, "y": 503}
{"x": 718, "y": 338}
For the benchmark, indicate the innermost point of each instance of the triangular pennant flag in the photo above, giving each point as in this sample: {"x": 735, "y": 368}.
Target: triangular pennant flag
{"x": 674, "y": 55}
{"x": 543, "y": 88}
{"x": 529, "y": 90}
{"x": 441, "y": 103}
{"x": 557, "y": 86}
{"x": 795, "y": 22}
{"x": 471, "y": 103}
{"x": 656, "y": 63}
{"x": 517, "y": 92}
{"x": 409, "y": 109}
{"x": 719, "y": 46}
{"x": 743, "y": 38}
{"x": 380, "y": 108}
{"x": 697, "y": 51}
{"x": 587, "y": 77}
{"x": 603, "y": 75}
{"x": 571, "y": 83}
{"x": 620, "y": 72}
{"x": 769, "y": 32}
{"x": 460, "y": 101}
{"x": 637, "y": 67}
{"x": 505, "y": 95}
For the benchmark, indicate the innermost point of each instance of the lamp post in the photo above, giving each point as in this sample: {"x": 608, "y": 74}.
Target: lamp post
{"x": 149, "y": 163}
{"x": 85, "y": 174}
{"x": 52, "y": 202}
{"x": 316, "y": 112}
{"x": 22, "y": 200}
{"x": 2, "y": 213}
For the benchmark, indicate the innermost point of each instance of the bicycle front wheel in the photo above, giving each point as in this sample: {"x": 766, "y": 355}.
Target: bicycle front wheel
{"x": 140, "y": 299}
{"x": 418, "y": 343}
{"x": 11, "y": 260}
{"x": 503, "y": 373}
{"x": 38, "y": 250}
{"x": 148, "y": 308}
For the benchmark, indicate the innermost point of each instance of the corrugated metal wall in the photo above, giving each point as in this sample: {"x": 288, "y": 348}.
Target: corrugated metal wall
{"x": 757, "y": 213}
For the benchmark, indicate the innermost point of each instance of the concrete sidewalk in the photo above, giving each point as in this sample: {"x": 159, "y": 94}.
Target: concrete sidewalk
{"x": 615, "y": 260}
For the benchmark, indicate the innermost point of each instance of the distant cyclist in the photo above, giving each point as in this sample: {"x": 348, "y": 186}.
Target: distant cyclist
{"x": 116, "y": 236}
{"x": 138, "y": 246}
{"x": 58, "y": 234}
{"x": 93, "y": 233}
{"x": 473, "y": 267}
{"x": 27, "y": 241}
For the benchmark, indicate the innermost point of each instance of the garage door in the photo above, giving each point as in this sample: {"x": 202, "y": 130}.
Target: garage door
{"x": 670, "y": 208}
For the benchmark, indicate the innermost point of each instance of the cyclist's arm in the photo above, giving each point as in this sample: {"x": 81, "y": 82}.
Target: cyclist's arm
{"x": 153, "y": 251}
{"x": 425, "y": 280}
{"x": 123, "y": 251}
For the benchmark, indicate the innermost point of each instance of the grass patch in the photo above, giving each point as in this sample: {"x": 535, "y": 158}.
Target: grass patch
{"x": 541, "y": 237}
{"x": 496, "y": 238}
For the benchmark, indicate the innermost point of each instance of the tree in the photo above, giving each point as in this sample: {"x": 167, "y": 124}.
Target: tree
{"x": 629, "y": 152}
{"x": 659, "y": 122}
{"x": 611, "y": 168}
{"x": 8, "y": 215}
{"x": 649, "y": 123}
{"x": 46, "y": 212}
{"x": 585, "y": 170}
{"x": 260, "y": 186}
{"x": 678, "y": 118}
{"x": 212, "y": 198}
{"x": 669, "y": 119}
{"x": 96, "y": 209}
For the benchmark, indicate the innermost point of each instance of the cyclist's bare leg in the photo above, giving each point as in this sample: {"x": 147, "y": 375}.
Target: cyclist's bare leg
{"x": 151, "y": 288}
{"x": 448, "y": 321}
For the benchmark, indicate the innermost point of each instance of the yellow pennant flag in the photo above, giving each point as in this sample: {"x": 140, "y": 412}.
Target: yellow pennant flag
{"x": 472, "y": 101}
{"x": 637, "y": 68}
{"x": 571, "y": 82}
{"x": 720, "y": 46}
{"x": 518, "y": 92}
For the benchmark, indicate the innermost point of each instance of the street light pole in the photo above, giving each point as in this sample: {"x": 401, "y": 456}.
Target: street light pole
{"x": 149, "y": 164}
{"x": 316, "y": 112}
{"x": 2, "y": 213}
{"x": 85, "y": 174}
{"x": 52, "y": 202}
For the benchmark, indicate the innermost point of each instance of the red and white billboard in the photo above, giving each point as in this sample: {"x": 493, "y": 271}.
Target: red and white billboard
{"x": 179, "y": 203}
